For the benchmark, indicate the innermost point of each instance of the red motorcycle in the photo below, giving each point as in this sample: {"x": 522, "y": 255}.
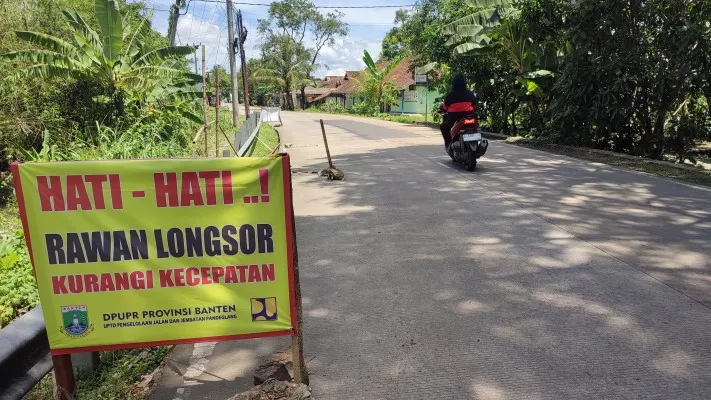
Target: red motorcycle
{"x": 468, "y": 144}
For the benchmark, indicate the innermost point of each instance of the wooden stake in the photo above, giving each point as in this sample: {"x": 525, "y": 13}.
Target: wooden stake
{"x": 204, "y": 98}
{"x": 325, "y": 143}
{"x": 242, "y": 37}
{"x": 217, "y": 112}
{"x": 64, "y": 384}
{"x": 301, "y": 374}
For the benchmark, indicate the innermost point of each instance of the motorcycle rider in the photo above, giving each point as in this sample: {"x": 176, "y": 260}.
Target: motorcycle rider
{"x": 460, "y": 102}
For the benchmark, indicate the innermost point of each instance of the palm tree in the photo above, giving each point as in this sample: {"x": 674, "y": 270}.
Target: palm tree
{"x": 115, "y": 57}
{"x": 286, "y": 64}
{"x": 381, "y": 85}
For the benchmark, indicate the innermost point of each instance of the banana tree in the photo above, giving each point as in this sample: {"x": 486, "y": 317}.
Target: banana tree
{"x": 114, "y": 56}
{"x": 498, "y": 27}
{"x": 379, "y": 79}
{"x": 472, "y": 31}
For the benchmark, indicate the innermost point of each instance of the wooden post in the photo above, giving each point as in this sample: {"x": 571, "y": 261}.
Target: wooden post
{"x": 301, "y": 374}
{"x": 204, "y": 98}
{"x": 325, "y": 143}
{"x": 217, "y": 112}
{"x": 233, "y": 69}
{"x": 64, "y": 385}
{"x": 242, "y": 37}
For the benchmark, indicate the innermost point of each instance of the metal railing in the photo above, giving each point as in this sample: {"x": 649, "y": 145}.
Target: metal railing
{"x": 24, "y": 355}
{"x": 247, "y": 133}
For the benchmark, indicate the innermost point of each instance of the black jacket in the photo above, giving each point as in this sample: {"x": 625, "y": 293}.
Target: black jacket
{"x": 460, "y": 102}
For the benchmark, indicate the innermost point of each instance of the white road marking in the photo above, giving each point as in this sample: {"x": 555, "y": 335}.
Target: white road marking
{"x": 196, "y": 365}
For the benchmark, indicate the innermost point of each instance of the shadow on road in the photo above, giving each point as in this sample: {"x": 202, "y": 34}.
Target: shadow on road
{"x": 478, "y": 286}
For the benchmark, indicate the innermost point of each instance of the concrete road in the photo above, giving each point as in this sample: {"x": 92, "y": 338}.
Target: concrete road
{"x": 535, "y": 277}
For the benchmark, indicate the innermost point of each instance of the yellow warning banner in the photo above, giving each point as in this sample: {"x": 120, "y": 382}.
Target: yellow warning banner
{"x": 138, "y": 253}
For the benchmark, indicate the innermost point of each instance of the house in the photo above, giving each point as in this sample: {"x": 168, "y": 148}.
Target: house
{"x": 339, "y": 89}
{"x": 311, "y": 93}
{"x": 415, "y": 98}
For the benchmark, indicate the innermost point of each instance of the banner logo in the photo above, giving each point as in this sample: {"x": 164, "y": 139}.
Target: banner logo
{"x": 264, "y": 309}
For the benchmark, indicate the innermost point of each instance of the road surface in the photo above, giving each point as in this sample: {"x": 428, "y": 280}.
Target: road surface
{"x": 535, "y": 277}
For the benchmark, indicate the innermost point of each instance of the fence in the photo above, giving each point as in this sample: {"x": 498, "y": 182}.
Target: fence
{"x": 247, "y": 133}
{"x": 24, "y": 355}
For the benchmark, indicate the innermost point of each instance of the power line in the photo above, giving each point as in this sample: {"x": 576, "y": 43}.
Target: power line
{"x": 255, "y": 18}
{"x": 332, "y": 7}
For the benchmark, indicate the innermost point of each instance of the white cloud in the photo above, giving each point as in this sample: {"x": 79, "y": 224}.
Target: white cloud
{"x": 336, "y": 72}
{"x": 215, "y": 38}
{"x": 206, "y": 23}
{"x": 345, "y": 54}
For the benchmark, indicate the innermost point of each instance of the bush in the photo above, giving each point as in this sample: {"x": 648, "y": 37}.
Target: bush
{"x": 365, "y": 108}
{"x": 333, "y": 107}
{"x": 133, "y": 143}
{"x": 683, "y": 132}
{"x": 5, "y": 187}
{"x": 18, "y": 291}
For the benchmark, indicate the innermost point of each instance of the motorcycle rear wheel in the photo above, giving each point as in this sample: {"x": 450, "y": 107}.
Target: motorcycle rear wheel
{"x": 469, "y": 159}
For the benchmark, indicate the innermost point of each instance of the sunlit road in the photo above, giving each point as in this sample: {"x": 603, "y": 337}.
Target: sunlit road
{"x": 535, "y": 277}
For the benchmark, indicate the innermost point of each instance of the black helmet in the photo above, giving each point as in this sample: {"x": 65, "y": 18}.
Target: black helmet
{"x": 459, "y": 82}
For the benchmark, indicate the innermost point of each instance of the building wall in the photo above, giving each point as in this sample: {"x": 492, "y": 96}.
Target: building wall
{"x": 418, "y": 101}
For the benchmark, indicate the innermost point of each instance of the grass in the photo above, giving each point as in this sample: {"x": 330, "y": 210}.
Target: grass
{"x": 663, "y": 169}
{"x": 266, "y": 142}
{"x": 401, "y": 118}
{"x": 117, "y": 378}
{"x": 9, "y": 219}
{"x": 226, "y": 126}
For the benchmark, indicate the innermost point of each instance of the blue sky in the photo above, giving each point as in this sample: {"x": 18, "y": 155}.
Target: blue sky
{"x": 206, "y": 23}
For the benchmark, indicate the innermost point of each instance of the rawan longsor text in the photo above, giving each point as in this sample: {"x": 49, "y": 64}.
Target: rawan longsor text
{"x": 121, "y": 245}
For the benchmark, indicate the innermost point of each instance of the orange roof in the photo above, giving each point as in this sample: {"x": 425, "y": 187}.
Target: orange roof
{"x": 401, "y": 76}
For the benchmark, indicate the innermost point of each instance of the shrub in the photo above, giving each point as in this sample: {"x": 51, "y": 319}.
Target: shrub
{"x": 333, "y": 107}
{"x": 365, "y": 108}
{"x": 18, "y": 291}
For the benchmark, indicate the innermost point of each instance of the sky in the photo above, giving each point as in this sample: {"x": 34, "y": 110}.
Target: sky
{"x": 206, "y": 23}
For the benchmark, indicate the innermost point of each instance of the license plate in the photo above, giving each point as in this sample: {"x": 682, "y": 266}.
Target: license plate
{"x": 471, "y": 137}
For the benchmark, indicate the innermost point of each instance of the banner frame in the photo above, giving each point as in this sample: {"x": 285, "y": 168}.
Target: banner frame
{"x": 290, "y": 228}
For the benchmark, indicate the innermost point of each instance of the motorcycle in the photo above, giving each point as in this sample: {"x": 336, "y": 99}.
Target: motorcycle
{"x": 468, "y": 144}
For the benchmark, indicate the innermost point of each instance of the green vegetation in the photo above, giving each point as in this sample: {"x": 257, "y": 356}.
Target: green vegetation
{"x": 620, "y": 75}
{"x": 266, "y": 143}
{"x": 222, "y": 142}
{"x": 286, "y": 62}
{"x": 333, "y": 107}
{"x": 376, "y": 91}
{"x": 18, "y": 290}
{"x": 87, "y": 80}
{"x": 116, "y": 379}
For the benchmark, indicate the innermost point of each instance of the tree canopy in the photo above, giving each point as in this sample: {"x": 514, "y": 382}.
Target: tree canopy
{"x": 626, "y": 75}
{"x": 292, "y": 39}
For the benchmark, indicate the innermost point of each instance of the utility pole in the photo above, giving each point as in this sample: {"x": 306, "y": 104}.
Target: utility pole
{"x": 173, "y": 23}
{"x": 242, "y": 38}
{"x": 233, "y": 70}
{"x": 195, "y": 58}
{"x": 217, "y": 112}
{"x": 204, "y": 99}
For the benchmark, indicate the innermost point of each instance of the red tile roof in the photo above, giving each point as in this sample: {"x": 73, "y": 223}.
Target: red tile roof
{"x": 401, "y": 77}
